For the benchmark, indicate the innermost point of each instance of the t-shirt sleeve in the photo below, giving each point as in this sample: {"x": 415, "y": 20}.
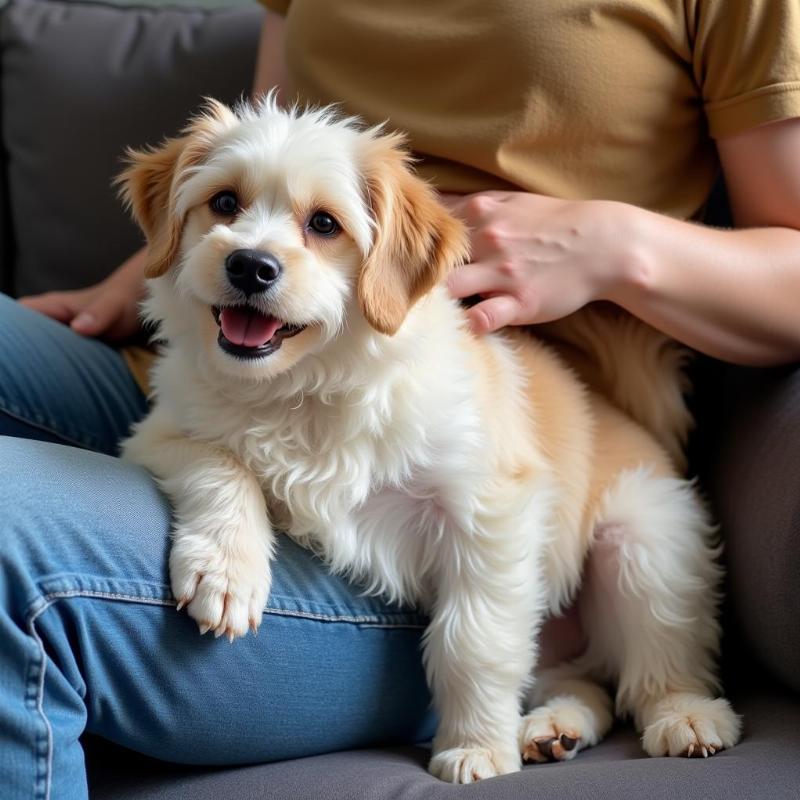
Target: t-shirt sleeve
{"x": 746, "y": 60}
{"x": 281, "y": 6}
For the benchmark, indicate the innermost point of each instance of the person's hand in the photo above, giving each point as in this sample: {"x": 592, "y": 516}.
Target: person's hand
{"x": 536, "y": 258}
{"x": 108, "y": 309}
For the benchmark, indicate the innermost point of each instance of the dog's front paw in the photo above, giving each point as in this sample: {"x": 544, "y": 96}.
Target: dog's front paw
{"x": 470, "y": 764}
{"x": 224, "y": 589}
{"x": 691, "y": 725}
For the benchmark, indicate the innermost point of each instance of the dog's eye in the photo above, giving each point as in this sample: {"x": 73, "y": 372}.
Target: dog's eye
{"x": 224, "y": 203}
{"x": 323, "y": 224}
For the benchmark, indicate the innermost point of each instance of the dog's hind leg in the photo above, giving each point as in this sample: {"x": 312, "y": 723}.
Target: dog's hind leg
{"x": 649, "y": 607}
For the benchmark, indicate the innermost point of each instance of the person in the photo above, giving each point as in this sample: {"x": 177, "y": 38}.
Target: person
{"x": 579, "y": 140}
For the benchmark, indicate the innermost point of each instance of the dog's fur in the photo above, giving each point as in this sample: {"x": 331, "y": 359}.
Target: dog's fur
{"x": 479, "y": 478}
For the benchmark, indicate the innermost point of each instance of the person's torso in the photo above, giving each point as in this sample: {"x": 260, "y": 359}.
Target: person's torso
{"x": 570, "y": 98}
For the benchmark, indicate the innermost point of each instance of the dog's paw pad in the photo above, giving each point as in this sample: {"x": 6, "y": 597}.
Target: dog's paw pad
{"x": 559, "y": 730}
{"x": 470, "y": 764}
{"x": 550, "y": 748}
{"x": 691, "y": 726}
{"x": 548, "y": 734}
{"x": 550, "y": 745}
{"x": 565, "y": 725}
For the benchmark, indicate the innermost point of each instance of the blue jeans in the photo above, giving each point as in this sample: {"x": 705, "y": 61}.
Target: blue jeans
{"x": 89, "y": 636}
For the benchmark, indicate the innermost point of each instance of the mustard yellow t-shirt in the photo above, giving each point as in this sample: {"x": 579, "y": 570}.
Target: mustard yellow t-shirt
{"x": 612, "y": 99}
{"x": 605, "y": 99}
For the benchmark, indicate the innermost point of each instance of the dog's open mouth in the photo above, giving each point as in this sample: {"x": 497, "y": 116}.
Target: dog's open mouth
{"x": 247, "y": 333}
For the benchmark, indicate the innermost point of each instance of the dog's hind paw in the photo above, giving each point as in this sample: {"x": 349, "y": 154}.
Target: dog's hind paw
{"x": 548, "y": 734}
{"x": 690, "y": 725}
{"x": 578, "y": 716}
{"x": 683, "y": 724}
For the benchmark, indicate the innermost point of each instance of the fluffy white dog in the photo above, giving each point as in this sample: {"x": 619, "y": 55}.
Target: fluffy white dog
{"x": 318, "y": 380}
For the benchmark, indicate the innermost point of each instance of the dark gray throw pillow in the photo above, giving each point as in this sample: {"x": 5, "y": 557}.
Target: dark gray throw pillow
{"x": 756, "y": 489}
{"x": 80, "y": 82}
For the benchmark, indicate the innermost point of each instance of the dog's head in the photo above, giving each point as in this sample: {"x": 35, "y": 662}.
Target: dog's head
{"x": 268, "y": 229}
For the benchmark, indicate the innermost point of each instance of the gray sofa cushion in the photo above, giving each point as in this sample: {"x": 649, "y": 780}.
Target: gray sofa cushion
{"x": 756, "y": 488}
{"x": 764, "y": 764}
{"x": 6, "y": 249}
{"x": 87, "y": 79}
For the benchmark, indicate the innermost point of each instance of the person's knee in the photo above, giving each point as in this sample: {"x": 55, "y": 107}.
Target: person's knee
{"x": 51, "y": 480}
{"x": 15, "y": 463}
{"x": 11, "y": 311}
{"x": 24, "y": 483}
{"x": 64, "y": 510}
{"x": 18, "y": 527}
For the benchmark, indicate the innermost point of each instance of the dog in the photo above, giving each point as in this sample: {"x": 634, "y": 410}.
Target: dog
{"x": 317, "y": 379}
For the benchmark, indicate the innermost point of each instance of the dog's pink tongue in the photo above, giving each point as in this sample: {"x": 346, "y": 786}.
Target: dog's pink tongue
{"x": 245, "y": 326}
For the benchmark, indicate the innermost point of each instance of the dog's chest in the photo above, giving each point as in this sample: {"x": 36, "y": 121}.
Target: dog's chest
{"x": 318, "y": 462}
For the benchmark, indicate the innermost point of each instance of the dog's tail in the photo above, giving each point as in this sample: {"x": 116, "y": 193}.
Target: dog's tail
{"x": 639, "y": 369}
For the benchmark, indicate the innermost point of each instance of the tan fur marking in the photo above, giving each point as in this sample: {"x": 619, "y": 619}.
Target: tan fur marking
{"x": 639, "y": 369}
{"x": 416, "y": 241}
{"x": 585, "y": 439}
{"x": 149, "y": 182}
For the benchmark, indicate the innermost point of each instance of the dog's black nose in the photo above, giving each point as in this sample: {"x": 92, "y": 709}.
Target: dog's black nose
{"x": 252, "y": 271}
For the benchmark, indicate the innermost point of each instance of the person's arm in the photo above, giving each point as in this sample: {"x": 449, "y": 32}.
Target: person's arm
{"x": 731, "y": 294}
{"x": 270, "y": 64}
{"x": 110, "y": 308}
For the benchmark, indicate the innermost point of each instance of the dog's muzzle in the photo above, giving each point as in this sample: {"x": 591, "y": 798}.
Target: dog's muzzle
{"x": 246, "y": 332}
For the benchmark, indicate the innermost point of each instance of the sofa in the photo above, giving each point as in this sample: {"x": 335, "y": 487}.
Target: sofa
{"x": 82, "y": 80}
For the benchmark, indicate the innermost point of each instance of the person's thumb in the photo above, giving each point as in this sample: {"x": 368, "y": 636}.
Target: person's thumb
{"x": 96, "y": 318}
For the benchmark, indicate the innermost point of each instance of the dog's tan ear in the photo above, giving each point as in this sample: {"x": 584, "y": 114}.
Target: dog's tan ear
{"x": 149, "y": 182}
{"x": 416, "y": 240}
{"x": 146, "y": 187}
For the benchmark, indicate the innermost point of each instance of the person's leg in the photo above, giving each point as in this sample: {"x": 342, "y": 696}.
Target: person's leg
{"x": 91, "y": 640}
{"x": 57, "y": 386}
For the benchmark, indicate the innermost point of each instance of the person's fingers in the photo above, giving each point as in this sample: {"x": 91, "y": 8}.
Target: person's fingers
{"x": 452, "y": 202}
{"x": 472, "y": 279}
{"x": 56, "y": 305}
{"x": 98, "y": 316}
{"x": 493, "y": 313}
{"x": 98, "y": 311}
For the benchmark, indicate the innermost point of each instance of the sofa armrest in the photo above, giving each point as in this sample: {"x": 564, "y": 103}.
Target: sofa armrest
{"x": 755, "y": 485}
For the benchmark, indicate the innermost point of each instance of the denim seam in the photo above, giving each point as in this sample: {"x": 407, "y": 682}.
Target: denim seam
{"x": 416, "y": 626}
{"x": 364, "y": 621}
{"x": 44, "y": 761}
{"x": 16, "y": 413}
{"x": 52, "y": 598}
{"x": 367, "y": 620}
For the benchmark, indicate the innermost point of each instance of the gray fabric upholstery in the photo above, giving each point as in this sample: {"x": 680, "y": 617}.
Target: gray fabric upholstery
{"x": 82, "y": 81}
{"x": 765, "y": 765}
{"x": 756, "y": 487}
{"x": 6, "y": 242}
